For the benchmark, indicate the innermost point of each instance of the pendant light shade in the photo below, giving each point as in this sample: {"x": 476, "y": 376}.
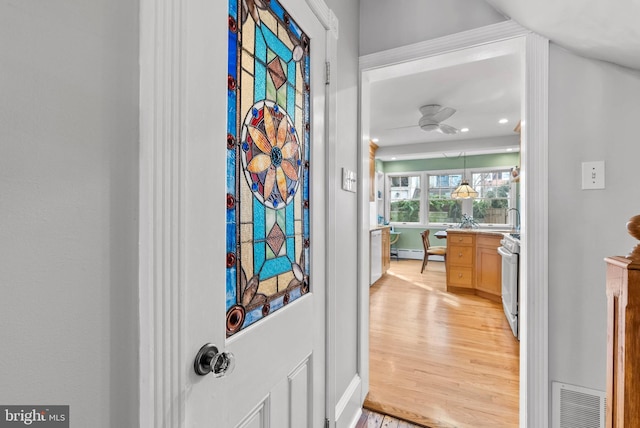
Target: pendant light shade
{"x": 464, "y": 190}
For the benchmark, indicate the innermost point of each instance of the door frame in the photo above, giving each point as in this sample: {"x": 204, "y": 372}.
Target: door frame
{"x": 534, "y": 363}
{"x": 164, "y": 26}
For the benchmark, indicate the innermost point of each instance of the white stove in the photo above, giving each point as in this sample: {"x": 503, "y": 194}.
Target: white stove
{"x": 510, "y": 251}
{"x": 511, "y": 242}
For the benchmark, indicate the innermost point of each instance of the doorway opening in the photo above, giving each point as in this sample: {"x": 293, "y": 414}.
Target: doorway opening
{"x": 473, "y": 46}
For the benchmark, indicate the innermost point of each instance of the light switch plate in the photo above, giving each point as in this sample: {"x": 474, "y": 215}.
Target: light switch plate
{"x": 349, "y": 180}
{"x": 592, "y": 175}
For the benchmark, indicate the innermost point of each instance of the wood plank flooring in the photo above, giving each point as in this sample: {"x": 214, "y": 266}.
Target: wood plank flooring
{"x": 439, "y": 359}
{"x": 371, "y": 419}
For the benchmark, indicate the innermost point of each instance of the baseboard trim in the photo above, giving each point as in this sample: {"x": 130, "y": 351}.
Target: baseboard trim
{"x": 349, "y": 407}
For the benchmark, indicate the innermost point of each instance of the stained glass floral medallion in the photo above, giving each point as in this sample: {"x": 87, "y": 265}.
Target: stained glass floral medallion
{"x": 268, "y": 147}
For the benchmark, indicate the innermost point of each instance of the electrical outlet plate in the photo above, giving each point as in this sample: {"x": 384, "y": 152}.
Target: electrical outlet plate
{"x": 349, "y": 180}
{"x": 592, "y": 175}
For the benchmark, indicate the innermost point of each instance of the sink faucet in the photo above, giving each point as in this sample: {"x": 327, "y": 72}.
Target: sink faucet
{"x": 517, "y": 218}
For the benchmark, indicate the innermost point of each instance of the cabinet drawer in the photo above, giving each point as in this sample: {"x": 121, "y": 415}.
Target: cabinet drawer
{"x": 460, "y": 255}
{"x": 461, "y": 239}
{"x": 461, "y": 276}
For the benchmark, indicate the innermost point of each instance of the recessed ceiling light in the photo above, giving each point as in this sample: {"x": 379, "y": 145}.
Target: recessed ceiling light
{"x": 509, "y": 149}
{"x": 393, "y": 158}
{"x": 375, "y": 140}
{"x": 503, "y": 121}
{"x": 464, "y": 130}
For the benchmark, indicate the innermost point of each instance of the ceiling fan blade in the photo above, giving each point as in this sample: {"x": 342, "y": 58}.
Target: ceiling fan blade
{"x": 404, "y": 127}
{"x": 446, "y": 129}
{"x": 444, "y": 114}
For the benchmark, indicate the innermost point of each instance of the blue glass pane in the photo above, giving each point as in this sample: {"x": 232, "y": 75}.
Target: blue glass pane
{"x": 233, "y": 54}
{"x": 291, "y": 247}
{"x": 231, "y": 236}
{"x": 260, "y": 88}
{"x": 290, "y": 218}
{"x": 306, "y": 69}
{"x": 252, "y": 317}
{"x": 233, "y": 9}
{"x": 294, "y": 28}
{"x": 276, "y": 45}
{"x": 231, "y": 287}
{"x": 231, "y": 171}
{"x": 261, "y": 48}
{"x": 277, "y": 9}
{"x": 295, "y": 293}
{"x": 231, "y": 112}
{"x": 277, "y": 304}
{"x": 274, "y": 267}
{"x": 305, "y": 189}
{"x": 291, "y": 91}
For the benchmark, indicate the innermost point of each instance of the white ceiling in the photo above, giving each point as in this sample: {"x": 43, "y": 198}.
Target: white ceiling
{"x": 482, "y": 86}
{"x": 483, "y": 91}
{"x": 601, "y": 29}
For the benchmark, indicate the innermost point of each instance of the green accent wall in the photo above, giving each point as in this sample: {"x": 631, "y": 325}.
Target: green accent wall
{"x": 480, "y": 161}
{"x": 410, "y": 238}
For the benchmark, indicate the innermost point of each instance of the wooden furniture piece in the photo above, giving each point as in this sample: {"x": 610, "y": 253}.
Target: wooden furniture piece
{"x": 430, "y": 251}
{"x": 372, "y": 170}
{"x": 623, "y": 336}
{"x": 473, "y": 263}
{"x": 386, "y": 249}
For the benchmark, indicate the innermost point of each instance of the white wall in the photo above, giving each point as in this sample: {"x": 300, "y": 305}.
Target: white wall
{"x": 593, "y": 115}
{"x": 390, "y": 24}
{"x": 68, "y": 207}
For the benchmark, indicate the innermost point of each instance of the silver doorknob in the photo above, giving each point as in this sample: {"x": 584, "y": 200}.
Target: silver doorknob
{"x": 209, "y": 360}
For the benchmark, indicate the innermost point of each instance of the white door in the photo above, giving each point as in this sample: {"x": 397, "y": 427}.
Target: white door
{"x": 278, "y": 380}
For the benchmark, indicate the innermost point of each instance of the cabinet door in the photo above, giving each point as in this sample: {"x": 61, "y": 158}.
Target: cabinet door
{"x": 489, "y": 265}
{"x": 386, "y": 249}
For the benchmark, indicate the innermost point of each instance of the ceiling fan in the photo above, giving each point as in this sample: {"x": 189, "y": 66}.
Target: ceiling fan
{"x": 432, "y": 117}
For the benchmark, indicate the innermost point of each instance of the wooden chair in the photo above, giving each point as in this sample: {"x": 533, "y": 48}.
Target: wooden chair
{"x": 429, "y": 250}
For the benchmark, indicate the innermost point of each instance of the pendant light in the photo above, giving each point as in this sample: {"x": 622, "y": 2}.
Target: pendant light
{"x": 464, "y": 191}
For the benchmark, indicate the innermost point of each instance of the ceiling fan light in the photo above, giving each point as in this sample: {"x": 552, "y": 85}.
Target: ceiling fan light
{"x": 430, "y": 127}
{"x": 464, "y": 191}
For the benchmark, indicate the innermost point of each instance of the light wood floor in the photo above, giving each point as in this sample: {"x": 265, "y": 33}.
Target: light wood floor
{"x": 439, "y": 359}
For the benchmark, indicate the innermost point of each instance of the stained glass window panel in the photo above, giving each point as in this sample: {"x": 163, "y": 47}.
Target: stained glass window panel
{"x": 268, "y": 147}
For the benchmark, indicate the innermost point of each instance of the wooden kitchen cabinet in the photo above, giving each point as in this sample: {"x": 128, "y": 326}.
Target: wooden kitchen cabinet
{"x": 489, "y": 267}
{"x": 386, "y": 249}
{"x": 460, "y": 261}
{"x": 473, "y": 263}
{"x": 623, "y": 342}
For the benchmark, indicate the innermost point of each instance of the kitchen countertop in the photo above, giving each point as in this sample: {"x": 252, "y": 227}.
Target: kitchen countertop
{"x": 378, "y": 227}
{"x": 483, "y": 231}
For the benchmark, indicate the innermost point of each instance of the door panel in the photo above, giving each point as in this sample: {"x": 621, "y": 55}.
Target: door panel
{"x": 279, "y": 358}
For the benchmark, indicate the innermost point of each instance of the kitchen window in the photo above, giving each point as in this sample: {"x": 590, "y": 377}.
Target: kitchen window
{"x": 494, "y": 196}
{"x": 405, "y": 198}
{"x": 408, "y": 204}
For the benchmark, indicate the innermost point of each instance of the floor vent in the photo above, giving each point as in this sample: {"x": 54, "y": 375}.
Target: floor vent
{"x": 577, "y": 407}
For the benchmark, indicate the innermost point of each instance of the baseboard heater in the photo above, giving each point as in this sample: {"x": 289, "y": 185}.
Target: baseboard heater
{"x": 405, "y": 253}
{"x": 577, "y": 407}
